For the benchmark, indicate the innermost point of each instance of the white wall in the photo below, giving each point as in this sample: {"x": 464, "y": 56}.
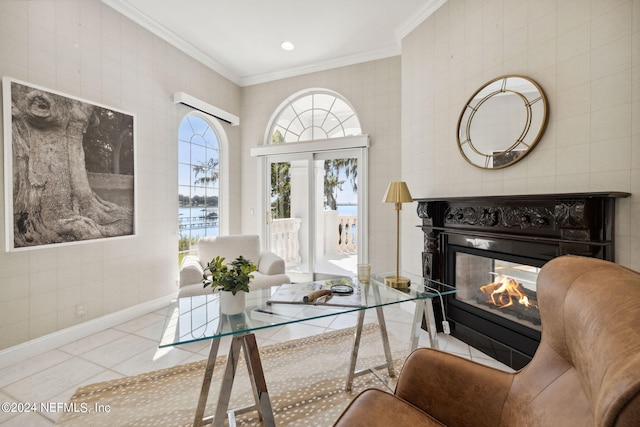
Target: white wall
{"x": 85, "y": 49}
{"x": 584, "y": 54}
{"x": 586, "y": 57}
{"x": 373, "y": 89}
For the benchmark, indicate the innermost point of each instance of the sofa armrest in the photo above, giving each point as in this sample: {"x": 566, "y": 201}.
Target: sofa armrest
{"x": 270, "y": 264}
{"x": 190, "y": 271}
{"x": 454, "y": 390}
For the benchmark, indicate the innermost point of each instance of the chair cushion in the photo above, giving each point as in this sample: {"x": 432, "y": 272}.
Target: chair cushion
{"x": 190, "y": 271}
{"x": 271, "y": 263}
{"x": 261, "y": 281}
{"x": 375, "y": 407}
{"x": 194, "y": 290}
{"x": 229, "y": 247}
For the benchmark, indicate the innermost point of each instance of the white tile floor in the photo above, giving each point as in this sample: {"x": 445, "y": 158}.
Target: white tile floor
{"x": 132, "y": 348}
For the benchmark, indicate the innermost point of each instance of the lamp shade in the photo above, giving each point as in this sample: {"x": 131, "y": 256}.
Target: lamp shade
{"x": 397, "y": 192}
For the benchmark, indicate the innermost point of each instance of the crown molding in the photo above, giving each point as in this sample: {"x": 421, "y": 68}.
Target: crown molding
{"x": 410, "y": 24}
{"x": 358, "y": 58}
{"x": 126, "y": 9}
{"x": 129, "y": 11}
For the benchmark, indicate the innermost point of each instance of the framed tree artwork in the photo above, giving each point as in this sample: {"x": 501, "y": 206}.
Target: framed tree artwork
{"x": 69, "y": 168}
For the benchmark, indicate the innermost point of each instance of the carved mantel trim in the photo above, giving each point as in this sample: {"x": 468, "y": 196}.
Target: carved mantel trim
{"x": 500, "y": 216}
{"x": 579, "y": 223}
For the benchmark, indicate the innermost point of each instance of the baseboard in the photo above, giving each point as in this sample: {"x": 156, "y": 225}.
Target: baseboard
{"x": 59, "y": 338}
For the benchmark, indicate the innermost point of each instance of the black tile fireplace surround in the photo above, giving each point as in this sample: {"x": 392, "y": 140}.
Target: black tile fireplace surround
{"x": 471, "y": 239}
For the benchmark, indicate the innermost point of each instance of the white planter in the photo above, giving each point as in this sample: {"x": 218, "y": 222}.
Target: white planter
{"x": 232, "y": 304}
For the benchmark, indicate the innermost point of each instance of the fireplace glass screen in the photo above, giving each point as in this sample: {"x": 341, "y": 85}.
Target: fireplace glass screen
{"x": 506, "y": 289}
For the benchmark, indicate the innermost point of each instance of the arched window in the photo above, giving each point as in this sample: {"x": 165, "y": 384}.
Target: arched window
{"x": 199, "y": 180}
{"x": 313, "y": 115}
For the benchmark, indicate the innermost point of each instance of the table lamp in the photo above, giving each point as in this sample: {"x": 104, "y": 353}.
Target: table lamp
{"x": 397, "y": 193}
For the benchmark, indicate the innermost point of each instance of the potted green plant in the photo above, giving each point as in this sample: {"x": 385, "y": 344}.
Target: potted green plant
{"x": 232, "y": 280}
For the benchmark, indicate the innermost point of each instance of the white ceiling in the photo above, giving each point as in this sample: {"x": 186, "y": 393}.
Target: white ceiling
{"x": 241, "y": 39}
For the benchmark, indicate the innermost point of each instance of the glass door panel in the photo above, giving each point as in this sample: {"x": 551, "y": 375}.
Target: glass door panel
{"x": 336, "y": 206}
{"x": 313, "y": 220}
{"x": 288, "y": 217}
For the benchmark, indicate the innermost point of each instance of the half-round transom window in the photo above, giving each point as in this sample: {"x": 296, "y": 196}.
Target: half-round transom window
{"x": 319, "y": 114}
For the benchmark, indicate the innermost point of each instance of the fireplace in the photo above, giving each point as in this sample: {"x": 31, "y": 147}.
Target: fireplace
{"x": 495, "y": 308}
{"x": 491, "y": 248}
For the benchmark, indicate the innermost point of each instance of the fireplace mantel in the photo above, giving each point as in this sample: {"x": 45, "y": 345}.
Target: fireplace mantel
{"x": 526, "y": 229}
{"x": 578, "y": 223}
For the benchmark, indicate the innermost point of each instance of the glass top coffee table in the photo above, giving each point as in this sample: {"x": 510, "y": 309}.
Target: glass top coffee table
{"x": 199, "y": 318}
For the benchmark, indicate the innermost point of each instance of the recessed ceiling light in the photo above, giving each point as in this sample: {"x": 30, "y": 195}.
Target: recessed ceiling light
{"x": 287, "y": 45}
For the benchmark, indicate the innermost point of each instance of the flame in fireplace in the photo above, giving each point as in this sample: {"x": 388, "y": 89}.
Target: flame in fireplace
{"x": 504, "y": 290}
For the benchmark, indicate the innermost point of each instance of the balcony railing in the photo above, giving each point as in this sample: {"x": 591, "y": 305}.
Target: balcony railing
{"x": 347, "y": 232}
{"x": 341, "y": 232}
{"x": 285, "y": 241}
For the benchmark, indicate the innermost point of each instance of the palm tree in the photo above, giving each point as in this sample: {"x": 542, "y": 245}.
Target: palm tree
{"x": 281, "y": 181}
{"x": 209, "y": 170}
{"x": 332, "y": 183}
{"x": 280, "y": 184}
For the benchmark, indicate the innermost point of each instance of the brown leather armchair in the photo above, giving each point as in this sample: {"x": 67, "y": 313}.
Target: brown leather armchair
{"x": 586, "y": 371}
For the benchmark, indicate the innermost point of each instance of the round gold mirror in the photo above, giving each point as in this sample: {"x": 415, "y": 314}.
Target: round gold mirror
{"x": 502, "y": 122}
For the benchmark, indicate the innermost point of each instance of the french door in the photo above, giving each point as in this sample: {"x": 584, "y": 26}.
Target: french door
{"x": 315, "y": 211}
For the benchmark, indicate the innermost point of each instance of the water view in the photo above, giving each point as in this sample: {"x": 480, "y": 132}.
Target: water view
{"x": 196, "y": 222}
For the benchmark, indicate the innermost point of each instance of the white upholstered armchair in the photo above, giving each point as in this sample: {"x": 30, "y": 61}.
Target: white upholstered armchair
{"x": 270, "y": 266}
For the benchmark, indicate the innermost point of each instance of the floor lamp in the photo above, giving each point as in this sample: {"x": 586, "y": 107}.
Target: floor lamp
{"x": 397, "y": 193}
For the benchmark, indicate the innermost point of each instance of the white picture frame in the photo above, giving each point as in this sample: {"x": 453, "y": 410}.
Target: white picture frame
{"x": 69, "y": 168}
